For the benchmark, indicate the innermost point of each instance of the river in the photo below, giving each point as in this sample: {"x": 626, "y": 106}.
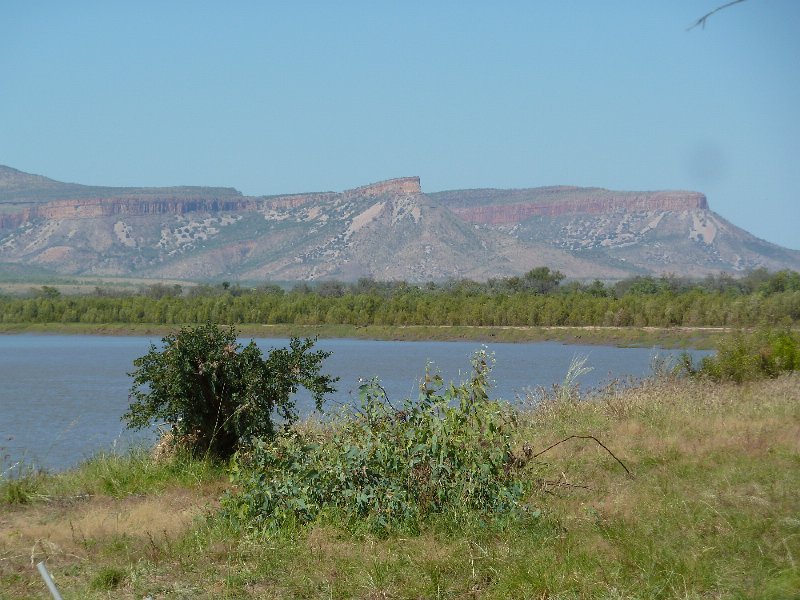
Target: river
{"x": 62, "y": 396}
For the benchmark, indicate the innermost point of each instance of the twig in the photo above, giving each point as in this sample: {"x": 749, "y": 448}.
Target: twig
{"x": 584, "y": 437}
{"x": 702, "y": 20}
{"x": 546, "y": 482}
{"x": 386, "y": 397}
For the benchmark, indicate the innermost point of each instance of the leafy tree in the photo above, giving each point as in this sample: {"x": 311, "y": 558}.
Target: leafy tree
{"x": 542, "y": 280}
{"x": 330, "y": 289}
{"x": 218, "y": 396}
{"x": 160, "y": 290}
{"x": 46, "y": 291}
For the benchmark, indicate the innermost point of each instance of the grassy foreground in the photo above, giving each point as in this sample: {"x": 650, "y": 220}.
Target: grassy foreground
{"x": 665, "y": 337}
{"x": 712, "y": 510}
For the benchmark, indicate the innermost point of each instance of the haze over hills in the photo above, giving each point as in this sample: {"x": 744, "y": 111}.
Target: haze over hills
{"x": 385, "y": 230}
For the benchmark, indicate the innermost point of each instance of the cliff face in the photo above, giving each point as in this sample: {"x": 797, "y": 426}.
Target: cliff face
{"x": 498, "y": 211}
{"x": 402, "y": 186}
{"x": 95, "y": 208}
{"x": 15, "y": 219}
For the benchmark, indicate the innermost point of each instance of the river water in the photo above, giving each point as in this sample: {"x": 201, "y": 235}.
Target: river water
{"x": 61, "y": 397}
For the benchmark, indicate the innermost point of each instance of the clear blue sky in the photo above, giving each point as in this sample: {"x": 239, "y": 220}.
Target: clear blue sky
{"x": 299, "y": 96}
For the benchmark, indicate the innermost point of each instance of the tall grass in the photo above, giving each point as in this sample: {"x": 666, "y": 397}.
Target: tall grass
{"x": 109, "y": 474}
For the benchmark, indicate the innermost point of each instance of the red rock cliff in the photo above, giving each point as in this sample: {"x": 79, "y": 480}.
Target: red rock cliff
{"x": 500, "y": 214}
{"x": 96, "y": 207}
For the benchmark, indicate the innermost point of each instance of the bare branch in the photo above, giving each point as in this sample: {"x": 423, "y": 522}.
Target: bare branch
{"x": 702, "y": 20}
{"x": 584, "y": 437}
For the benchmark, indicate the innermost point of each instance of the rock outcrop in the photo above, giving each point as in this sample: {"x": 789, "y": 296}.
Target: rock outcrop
{"x": 399, "y": 186}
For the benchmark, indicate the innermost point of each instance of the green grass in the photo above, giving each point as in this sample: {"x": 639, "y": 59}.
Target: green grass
{"x": 711, "y": 511}
{"x": 108, "y": 474}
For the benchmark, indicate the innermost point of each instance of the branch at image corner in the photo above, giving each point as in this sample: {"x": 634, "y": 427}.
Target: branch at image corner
{"x": 702, "y": 20}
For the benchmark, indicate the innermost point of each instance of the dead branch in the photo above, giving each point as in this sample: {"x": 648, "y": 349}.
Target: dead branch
{"x": 584, "y": 437}
{"x": 556, "y": 483}
{"x": 702, "y": 20}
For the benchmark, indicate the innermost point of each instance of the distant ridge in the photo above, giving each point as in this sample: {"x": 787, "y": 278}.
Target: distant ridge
{"x": 17, "y": 187}
{"x": 386, "y": 230}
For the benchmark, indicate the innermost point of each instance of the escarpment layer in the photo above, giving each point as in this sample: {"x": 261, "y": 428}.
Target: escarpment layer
{"x": 498, "y": 207}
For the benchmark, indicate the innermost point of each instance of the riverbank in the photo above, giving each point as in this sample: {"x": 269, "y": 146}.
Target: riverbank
{"x": 709, "y": 511}
{"x": 664, "y": 337}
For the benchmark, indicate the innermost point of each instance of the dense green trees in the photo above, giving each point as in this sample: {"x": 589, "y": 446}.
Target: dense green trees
{"x": 535, "y": 299}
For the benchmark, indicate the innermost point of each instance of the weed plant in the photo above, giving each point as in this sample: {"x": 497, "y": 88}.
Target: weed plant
{"x": 381, "y": 469}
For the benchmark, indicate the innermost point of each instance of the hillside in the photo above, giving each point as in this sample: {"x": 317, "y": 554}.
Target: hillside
{"x": 385, "y": 230}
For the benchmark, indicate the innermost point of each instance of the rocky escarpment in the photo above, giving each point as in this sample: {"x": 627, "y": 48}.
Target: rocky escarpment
{"x": 18, "y": 189}
{"x": 130, "y": 203}
{"x": 94, "y": 208}
{"x": 502, "y": 207}
{"x": 109, "y": 207}
{"x": 291, "y": 201}
{"x": 386, "y": 230}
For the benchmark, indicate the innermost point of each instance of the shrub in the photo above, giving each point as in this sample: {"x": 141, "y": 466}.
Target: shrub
{"x": 217, "y": 396}
{"x": 747, "y": 356}
{"x": 449, "y": 451}
{"x": 108, "y": 578}
{"x": 19, "y": 490}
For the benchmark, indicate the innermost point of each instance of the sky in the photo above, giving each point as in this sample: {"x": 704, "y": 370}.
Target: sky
{"x": 287, "y": 97}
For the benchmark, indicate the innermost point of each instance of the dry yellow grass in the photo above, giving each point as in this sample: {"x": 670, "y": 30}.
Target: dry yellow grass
{"x": 72, "y": 532}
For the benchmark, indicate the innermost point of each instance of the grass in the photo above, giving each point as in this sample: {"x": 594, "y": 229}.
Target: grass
{"x": 108, "y": 475}
{"x": 711, "y": 511}
{"x": 667, "y": 337}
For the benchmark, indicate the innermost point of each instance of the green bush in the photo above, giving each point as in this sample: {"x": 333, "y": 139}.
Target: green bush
{"x": 108, "y": 578}
{"x": 387, "y": 468}
{"x": 217, "y": 396}
{"x": 748, "y": 356}
{"x": 19, "y": 490}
